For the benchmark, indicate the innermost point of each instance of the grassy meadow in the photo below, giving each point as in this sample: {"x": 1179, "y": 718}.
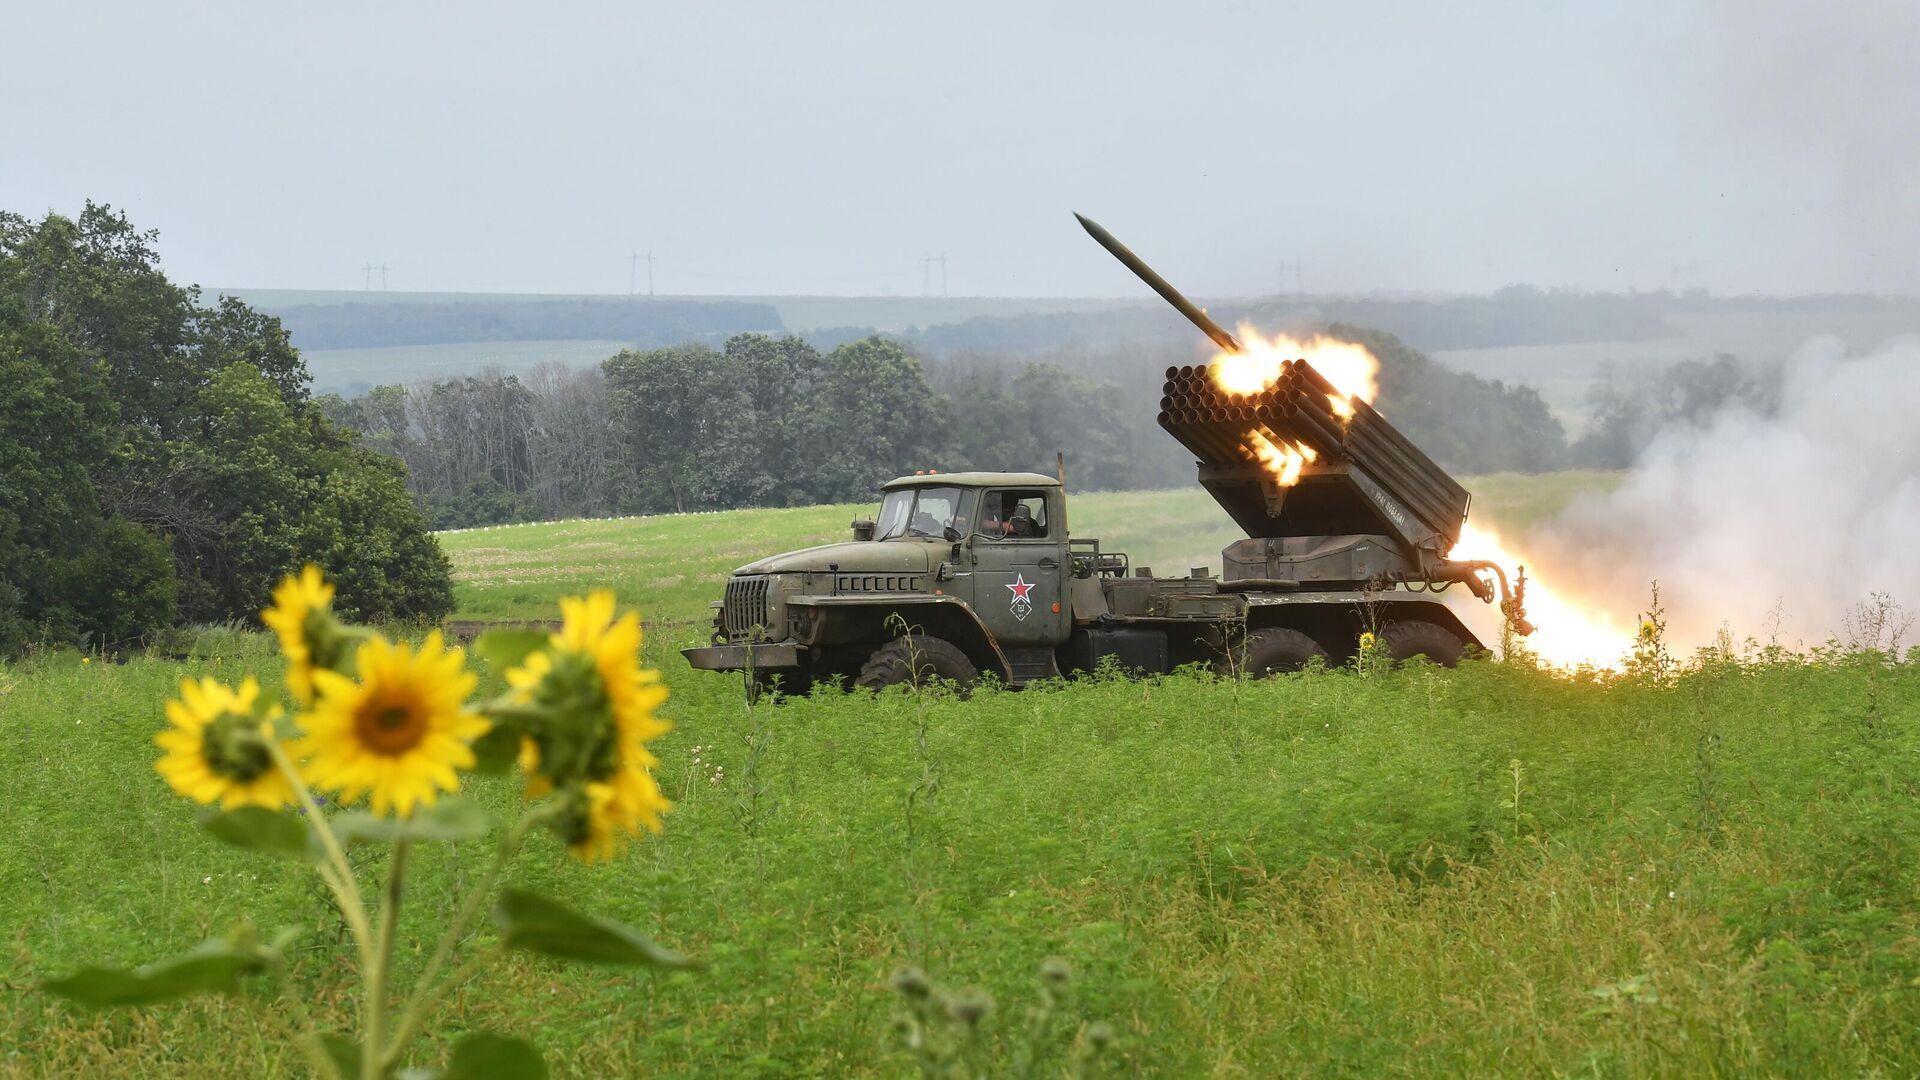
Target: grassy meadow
{"x": 1486, "y": 871}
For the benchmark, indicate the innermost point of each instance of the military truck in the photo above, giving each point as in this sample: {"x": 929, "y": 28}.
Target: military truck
{"x": 970, "y": 573}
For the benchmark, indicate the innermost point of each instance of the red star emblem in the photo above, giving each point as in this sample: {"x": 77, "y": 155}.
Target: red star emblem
{"x": 1020, "y": 586}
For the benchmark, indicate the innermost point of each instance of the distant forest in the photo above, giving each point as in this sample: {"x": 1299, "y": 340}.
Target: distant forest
{"x": 643, "y": 323}
{"x": 767, "y": 421}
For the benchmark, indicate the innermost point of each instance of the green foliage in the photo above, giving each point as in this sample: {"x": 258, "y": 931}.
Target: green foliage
{"x": 259, "y": 829}
{"x": 216, "y": 967}
{"x": 775, "y": 422}
{"x": 1310, "y": 875}
{"x": 484, "y": 1055}
{"x": 116, "y": 588}
{"x": 768, "y": 422}
{"x": 160, "y": 459}
{"x": 534, "y": 923}
{"x": 448, "y": 819}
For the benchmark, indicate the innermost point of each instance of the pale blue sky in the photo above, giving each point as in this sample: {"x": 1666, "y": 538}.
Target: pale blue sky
{"x": 824, "y": 148}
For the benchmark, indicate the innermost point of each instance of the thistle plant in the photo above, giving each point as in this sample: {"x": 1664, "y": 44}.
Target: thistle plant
{"x": 392, "y": 726}
{"x": 947, "y": 1031}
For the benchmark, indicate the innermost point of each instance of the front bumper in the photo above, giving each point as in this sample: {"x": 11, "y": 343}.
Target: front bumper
{"x": 771, "y": 657}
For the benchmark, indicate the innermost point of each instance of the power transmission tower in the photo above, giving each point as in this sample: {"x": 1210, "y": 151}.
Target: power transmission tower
{"x": 927, "y": 263}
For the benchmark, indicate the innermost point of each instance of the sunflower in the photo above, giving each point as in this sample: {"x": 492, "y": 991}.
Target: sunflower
{"x": 217, "y": 747}
{"x": 399, "y": 732}
{"x": 599, "y": 705}
{"x": 591, "y": 825}
{"x": 301, "y": 615}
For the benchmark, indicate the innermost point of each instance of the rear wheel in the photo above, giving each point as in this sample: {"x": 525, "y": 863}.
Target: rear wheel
{"x": 1410, "y": 638}
{"x": 1268, "y": 652}
{"x": 916, "y": 660}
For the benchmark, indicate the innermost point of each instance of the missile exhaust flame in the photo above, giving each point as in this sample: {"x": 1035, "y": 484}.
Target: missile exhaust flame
{"x": 1567, "y": 634}
{"x": 1350, "y": 367}
{"x": 1283, "y": 459}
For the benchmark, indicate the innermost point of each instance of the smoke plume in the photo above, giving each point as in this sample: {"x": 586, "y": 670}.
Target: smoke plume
{"x": 1764, "y": 524}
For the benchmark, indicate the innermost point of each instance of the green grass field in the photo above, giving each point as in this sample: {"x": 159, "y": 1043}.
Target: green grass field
{"x": 1487, "y": 871}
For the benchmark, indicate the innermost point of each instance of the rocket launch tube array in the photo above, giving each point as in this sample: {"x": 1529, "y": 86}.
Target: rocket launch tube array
{"x": 1297, "y": 408}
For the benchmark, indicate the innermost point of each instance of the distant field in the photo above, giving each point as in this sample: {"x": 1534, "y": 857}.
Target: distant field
{"x": 354, "y": 371}
{"x": 673, "y": 565}
{"x": 1565, "y": 374}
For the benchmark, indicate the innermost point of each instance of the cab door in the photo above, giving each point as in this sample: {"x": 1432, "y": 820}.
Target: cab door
{"x": 1020, "y": 567}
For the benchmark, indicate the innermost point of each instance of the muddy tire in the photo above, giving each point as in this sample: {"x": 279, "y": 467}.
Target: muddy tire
{"x": 916, "y": 660}
{"x": 1270, "y": 652}
{"x": 1410, "y": 638}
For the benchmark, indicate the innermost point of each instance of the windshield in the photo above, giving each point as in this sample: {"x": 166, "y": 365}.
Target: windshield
{"x": 928, "y": 511}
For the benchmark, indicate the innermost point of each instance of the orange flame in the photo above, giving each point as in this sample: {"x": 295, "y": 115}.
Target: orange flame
{"x": 1566, "y": 633}
{"x": 1348, "y": 366}
{"x": 1283, "y": 459}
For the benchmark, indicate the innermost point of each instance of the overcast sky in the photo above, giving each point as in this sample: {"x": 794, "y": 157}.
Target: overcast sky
{"x": 826, "y": 148}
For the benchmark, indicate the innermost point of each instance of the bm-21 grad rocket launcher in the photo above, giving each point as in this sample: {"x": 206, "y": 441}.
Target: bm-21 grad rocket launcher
{"x": 1330, "y": 494}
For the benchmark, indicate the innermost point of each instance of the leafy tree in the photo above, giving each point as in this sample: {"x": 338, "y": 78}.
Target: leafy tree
{"x": 1626, "y": 418}
{"x": 158, "y": 457}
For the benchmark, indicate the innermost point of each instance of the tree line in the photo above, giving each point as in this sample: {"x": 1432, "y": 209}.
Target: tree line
{"x": 766, "y": 421}
{"x": 160, "y": 459}
{"x": 761, "y": 421}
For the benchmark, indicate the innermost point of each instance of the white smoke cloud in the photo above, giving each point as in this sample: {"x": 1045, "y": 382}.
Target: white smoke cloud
{"x": 1805, "y": 514}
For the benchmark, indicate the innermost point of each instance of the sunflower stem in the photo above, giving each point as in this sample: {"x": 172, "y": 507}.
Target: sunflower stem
{"x": 345, "y": 887}
{"x": 372, "y": 1053}
{"x": 425, "y": 992}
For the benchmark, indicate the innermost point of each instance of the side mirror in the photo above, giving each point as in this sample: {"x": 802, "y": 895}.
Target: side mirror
{"x": 952, "y": 534}
{"x": 862, "y": 529}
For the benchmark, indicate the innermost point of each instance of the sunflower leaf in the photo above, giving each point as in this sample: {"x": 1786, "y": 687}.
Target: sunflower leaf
{"x": 448, "y": 819}
{"x": 485, "y": 1055}
{"x": 259, "y": 829}
{"x": 213, "y": 968}
{"x": 507, "y": 646}
{"x": 343, "y": 1052}
{"x": 530, "y": 921}
{"x": 496, "y": 751}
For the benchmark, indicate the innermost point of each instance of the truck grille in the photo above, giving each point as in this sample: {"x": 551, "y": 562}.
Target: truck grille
{"x": 745, "y": 606}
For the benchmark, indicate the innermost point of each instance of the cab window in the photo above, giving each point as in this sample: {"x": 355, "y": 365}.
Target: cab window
{"x": 1014, "y": 515}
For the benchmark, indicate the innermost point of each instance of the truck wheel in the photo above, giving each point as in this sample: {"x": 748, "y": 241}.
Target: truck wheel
{"x": 1270, "y": 651}
{"x": 1410, "y": 638}
{"x": 916, "y": 659}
